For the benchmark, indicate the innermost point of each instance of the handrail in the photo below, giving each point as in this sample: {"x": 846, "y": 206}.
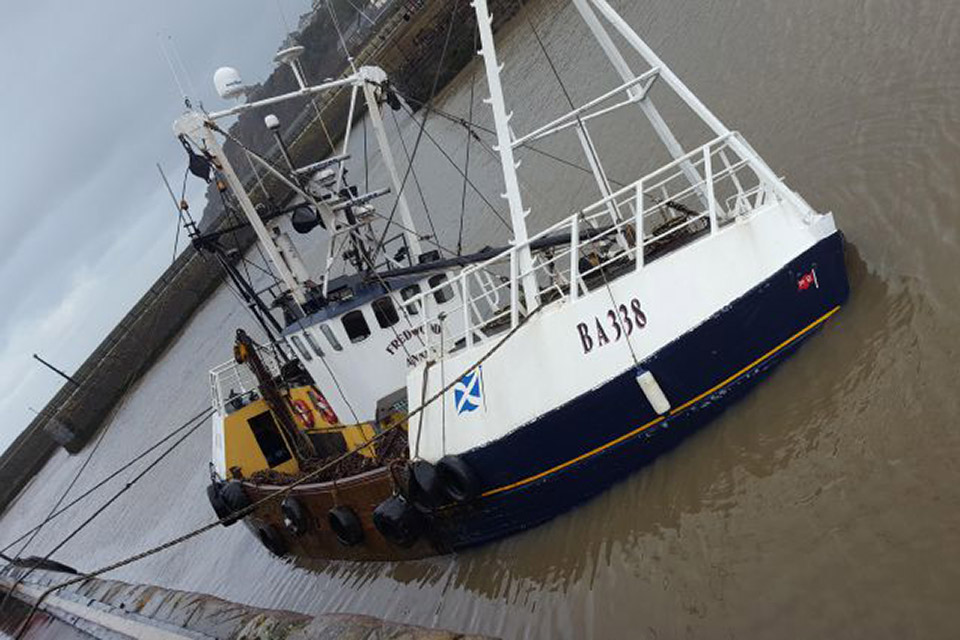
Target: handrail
{"x": 566, "y": 280}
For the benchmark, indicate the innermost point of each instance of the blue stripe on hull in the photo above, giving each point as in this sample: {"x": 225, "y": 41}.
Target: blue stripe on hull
{"x": 751, "y": 336}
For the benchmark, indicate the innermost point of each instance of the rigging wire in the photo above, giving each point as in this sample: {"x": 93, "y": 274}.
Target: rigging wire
{"x": 423, "y": 122}
{"x": 475, "y": 126}
{"x": 203, "y": 415}
{"x": 453, "y": 163}
{"x": 280, "y": 493}
{"x": 413, "y": 172}
{"x": 466, "y": 163}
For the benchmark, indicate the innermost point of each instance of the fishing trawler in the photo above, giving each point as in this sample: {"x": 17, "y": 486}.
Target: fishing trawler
{"x": 426, "y": 404}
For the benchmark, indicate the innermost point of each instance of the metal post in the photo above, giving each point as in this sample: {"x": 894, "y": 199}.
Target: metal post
{"x": 638, "y": 225}
{"x": 55, "y": 370}
{"x": 575, "y": 257}
{"x": 711, "y": 196}
{"x": 508, "y": 163}
{"x": 465, "y": 293}
{"x": 646, "y": 105}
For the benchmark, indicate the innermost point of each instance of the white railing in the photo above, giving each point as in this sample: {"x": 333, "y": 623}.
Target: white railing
{"x": 600, "y": 243}
{"x": 231, "y": 380}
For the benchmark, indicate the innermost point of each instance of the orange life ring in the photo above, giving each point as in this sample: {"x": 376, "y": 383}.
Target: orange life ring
{"x": 303, "y": 413}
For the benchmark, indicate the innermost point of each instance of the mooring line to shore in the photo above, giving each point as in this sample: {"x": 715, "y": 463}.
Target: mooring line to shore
{"x": 200, "y": 416}
{"x": 197, "y": 421}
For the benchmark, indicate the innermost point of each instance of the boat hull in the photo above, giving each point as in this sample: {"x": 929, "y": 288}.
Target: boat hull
{"x": 571, "y": 454}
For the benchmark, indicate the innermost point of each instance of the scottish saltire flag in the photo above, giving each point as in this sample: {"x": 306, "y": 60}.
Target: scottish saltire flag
{"x": 468, "y": 392}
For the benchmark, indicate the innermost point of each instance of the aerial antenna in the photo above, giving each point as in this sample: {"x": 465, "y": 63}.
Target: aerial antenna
{"x": 173, "y": 71}
{"x": 283, "y": 18}
{"x": 343, "y": 43}
{"x": 183, "y": 67}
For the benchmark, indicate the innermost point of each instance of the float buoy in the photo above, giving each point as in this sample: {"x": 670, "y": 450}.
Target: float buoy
{"x": 457, "y": 479}
{"x": 345, "y": 525}
{"x": 398, "y": 521}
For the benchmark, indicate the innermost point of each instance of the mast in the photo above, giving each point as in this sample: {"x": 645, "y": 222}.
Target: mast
{"x": 512, "y": 194}
{"x": 643, "y": 100}
{"x": 194, "y": 126}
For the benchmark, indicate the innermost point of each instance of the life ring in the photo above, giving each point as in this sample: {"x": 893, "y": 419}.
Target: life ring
{"x": 303, "y": 413}
{"x": 425, "y": 491}
{"x": 398, "y": 521}
{"x": 345, "y": 525}
{"x": 296, "y": 517}
{"x": 235, "y": 499}
{"x": 323, "y": 407}
{"x": 458, "y": 479}
{"x": 271, "y": 539}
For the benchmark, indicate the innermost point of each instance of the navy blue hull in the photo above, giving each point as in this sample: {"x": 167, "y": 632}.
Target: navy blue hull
{"x": 576, "y": 451}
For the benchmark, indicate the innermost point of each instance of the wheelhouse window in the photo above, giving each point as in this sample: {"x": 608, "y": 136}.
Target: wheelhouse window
{"x": 385, "y": 313}
{"x": 409, "y": 292}
{"x": 331, "y": 338}
{"x": 312, "y": 341}
{"x": 356, "y": 326}
{"x": 268, "y": 437}
{"x": 298, "y": 344}
{"x": 440, "y": 295}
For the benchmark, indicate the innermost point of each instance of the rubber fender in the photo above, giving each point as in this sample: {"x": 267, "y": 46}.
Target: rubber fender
{"x": 398, "y": 521}
{"x": 425, "y": 490}
{"x": 458, "y": 480}
{"x": 345, "y": 525}
{"x": 271, "y": 539}
{"x": 235, "y": 498}
{"x": 216, "y": 501}
{"x": 296, "y": 517}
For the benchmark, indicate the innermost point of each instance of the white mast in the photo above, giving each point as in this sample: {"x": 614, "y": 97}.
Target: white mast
{"x": 368, "y": 77}
{"x": 501, "y": 119}
{"x": 646, "y": 105}
{"x": 194, "y": 127}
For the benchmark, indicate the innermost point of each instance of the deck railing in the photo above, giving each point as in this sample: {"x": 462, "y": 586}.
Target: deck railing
{"x": 232, "y": 380}
{"x": 661, "y": 213}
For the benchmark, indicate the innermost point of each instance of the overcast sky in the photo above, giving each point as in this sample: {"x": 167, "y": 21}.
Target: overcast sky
{"x": 87, "y": 107}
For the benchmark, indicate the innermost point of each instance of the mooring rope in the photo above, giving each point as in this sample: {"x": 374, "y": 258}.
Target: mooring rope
{"x": 280, "y": 493}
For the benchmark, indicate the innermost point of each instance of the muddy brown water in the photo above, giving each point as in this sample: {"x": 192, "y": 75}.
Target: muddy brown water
{"x": 826, "y": 504}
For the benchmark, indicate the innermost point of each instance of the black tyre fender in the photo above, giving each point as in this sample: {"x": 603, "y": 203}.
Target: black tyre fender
{"x": 296, "y": 517}
{"x": 235, "y": 499}
{"x": 345, "y": 525}
{"x": 216, "y": 501}
{"x": 398, "y": 521}
{"x": 271, "y": 539}
{"x": 425, "y": 491}
{"x": 457, "y": 479}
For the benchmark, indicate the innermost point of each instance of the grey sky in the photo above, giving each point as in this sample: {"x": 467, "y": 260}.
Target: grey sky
{"x": 87, "y": 107}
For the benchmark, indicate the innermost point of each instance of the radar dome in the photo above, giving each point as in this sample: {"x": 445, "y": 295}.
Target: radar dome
{"x": 228, "y": 83}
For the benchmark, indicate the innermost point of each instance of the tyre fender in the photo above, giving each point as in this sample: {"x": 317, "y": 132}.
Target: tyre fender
{"x": 345, "y": 525}
{"x": 458, "y": 480}
{"x": 398, "y": 521}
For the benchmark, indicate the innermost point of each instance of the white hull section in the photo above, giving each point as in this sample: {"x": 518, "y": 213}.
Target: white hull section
{"x": 571, "y": 345}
